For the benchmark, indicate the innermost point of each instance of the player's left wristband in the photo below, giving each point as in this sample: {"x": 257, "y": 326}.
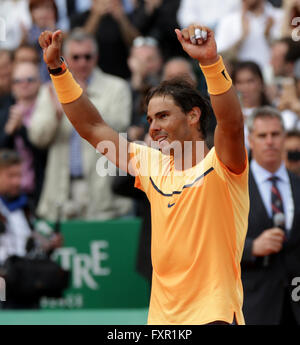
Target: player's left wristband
{"x": 67, "y": 89}
{"x": 217, "y": 79}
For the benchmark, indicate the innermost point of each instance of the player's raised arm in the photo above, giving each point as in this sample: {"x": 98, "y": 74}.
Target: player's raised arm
{"x": 199, "y": 43}
{"x": 81, "y": 112}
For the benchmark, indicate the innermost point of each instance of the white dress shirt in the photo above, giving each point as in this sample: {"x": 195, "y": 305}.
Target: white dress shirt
{"x": 255, "y": 47}
{"x": 14, "y": 239}
{"x": 13, "y": 16}
{"x": 204, "y": 12}
{"x": 261, "y": 177}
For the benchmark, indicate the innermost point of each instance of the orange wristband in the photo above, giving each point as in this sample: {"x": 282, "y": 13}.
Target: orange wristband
{"x": 217, "y": 79}
{"x": 67, "y": 89}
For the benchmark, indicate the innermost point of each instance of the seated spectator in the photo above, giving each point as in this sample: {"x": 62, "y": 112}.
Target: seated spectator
{"x": 248, "y": 80}
{"x": 292, "y": 151}
{"x": 158, "y": 19}
{"x": 282, "y": 89}
{"x": 114, "y": 33}
{"x": 26, "y": 53}
{"x": 289, "y": 99}
{"x": 44, "y": 14}
{"x": 145, "y": 64}
{"x": 17, "y": 235}
{"x": 247, "y": 32}
{"x": 71, "y": 177}
{"x": 284, "y": 54}
{"x": 15, "y": 123}
{"x": 179, "y": 67}
{"x": 17, "y": 21}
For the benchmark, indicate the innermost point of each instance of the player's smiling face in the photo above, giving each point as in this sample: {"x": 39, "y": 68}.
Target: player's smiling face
{"x": 168, "y": 123}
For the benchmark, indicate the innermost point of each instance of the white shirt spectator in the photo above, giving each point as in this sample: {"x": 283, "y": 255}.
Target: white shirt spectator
{"x": 255, "y": 46}
{"x": 291, "y": 120}
{"x": 264, "y": 186}
{"x": 15, "y": 18}
{"x": 204, "y": 12}
{"x": 13, "y": 241}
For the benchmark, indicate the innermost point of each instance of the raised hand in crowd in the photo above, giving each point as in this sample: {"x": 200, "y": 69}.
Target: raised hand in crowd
{"x": 15, "y": 119}
{"x": 100, "y": 7}
{"x": 152, "y": 5}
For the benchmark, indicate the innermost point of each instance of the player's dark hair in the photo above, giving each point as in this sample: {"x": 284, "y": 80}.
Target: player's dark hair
{"x": 185, "y": 96}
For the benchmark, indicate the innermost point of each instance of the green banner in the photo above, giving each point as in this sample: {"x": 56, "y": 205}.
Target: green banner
{"x": 102, "y": 259}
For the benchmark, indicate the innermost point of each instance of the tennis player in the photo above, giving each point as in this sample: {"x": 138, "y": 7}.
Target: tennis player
{"x": 199, "y": 210}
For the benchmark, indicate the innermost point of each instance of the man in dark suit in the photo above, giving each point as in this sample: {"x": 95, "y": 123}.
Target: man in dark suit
{"x": 271, "y": 257}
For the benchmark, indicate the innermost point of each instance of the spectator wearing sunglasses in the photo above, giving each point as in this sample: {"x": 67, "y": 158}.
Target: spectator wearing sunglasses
{"x": 71, "y": 177}
{"x": 14, "y": 131}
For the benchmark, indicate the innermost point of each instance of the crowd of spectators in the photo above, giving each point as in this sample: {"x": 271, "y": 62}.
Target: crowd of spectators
{"x": 117, "y": 50}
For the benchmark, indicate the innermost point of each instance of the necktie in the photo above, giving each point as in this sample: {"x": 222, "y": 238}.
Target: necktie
{"x": 276, "y": 199}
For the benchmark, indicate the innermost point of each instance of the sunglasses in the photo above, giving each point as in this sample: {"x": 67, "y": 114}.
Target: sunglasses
{"x": 25, "y": 80}
{"x": 77, "y": 57}
{"x": 144, "y": 41}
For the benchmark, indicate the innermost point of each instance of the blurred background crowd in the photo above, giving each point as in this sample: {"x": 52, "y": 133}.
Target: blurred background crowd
{"x": 117, "y": 50}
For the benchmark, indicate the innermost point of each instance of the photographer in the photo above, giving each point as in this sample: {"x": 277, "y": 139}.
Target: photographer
{"x": 17, "y": 238}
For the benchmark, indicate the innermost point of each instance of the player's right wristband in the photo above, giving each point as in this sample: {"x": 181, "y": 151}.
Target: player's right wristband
{"x": 217, "y": 79}
{"x": 67, "y": 89}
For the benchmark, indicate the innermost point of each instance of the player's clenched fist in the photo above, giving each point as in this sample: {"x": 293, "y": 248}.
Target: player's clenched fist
{"x": 199, "y": 42}
{"x": 51, "y": 43}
